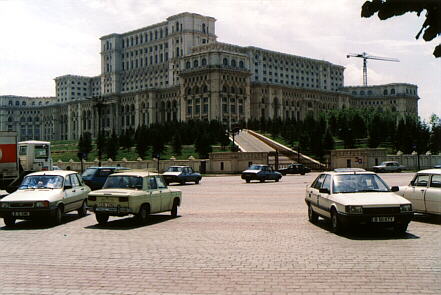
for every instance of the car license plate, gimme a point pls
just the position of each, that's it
(19, 214)
(383, 219)
(106, 205)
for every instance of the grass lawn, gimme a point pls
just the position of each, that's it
(66, 150)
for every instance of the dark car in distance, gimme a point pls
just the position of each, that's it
(261, 173)
(95, 177)
(181, 174)
(295, 169)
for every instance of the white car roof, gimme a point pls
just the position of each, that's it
(53, 172)
(135, 173)
(430, 171)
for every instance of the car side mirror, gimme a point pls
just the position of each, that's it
(324, 191)
(412, 183)
(67, 187)
(395, 188)
(138, 186)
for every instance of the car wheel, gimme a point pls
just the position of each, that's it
(143, 214)
(303, 173)
(248, 180)
(174, 210)
(262, 180)
(58, 215)
(336, 225)
(181, 182)
(277, 179)
(400, 228)
(9, 221)
(197, 181)
(312, 216)
(101, 218)
(82, 211)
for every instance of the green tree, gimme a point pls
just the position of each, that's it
(85, 143)
(390, 8)
(142, 141)
(177, 144)
(157, 141)
(435, 135)
(202, 146)
(328, 141)
(112, 146)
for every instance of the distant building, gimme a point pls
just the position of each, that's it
(176, 71)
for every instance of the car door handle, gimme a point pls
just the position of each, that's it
(73, 190)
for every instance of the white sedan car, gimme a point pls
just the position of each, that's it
(46, 194)
(424, 191)
(355, 196)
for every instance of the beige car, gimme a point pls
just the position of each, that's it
(46, 195)
(424, 191)
(136, 193)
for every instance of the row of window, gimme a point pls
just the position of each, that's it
(23, 103)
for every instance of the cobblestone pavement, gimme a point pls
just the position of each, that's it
(231, 238)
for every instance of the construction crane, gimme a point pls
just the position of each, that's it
(365, 57)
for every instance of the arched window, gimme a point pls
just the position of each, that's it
(187, 65)
(23, 103)
(203, 28)
(369, 92)
(204, 62)
(10, 119)
(392, 91)
(195, 64)
(205, 89)
(385, 92)
(233, 90)
(156, 35)
(30, 120)
(177, 51)
(196, 90)
(233, 63)
(177, 26)
(362, 92)
(225, 62)
(224, 89)
(33, 103)
(10, 102)
(241, 65)
(188, 91)
(354, 92)
(240, 91)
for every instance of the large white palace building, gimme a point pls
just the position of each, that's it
(176, 70)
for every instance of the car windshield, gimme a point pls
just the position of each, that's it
(123, 181)
(174, 169)
(88, 172)
(255, 167)
(42, 181)
(354, 183)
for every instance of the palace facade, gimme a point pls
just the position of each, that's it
(177, 71)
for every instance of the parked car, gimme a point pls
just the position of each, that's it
(437, 166)
(181, 174)
(347, 197)
(261, 173)
(388, 166)
(45, 194)
(133, 193)
(424, 191)
(95, 177)
(295, 169)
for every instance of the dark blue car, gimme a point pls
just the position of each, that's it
(95, 177)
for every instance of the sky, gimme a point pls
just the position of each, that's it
(44, 39)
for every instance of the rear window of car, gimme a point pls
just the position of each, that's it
(436, 181)
(104, 172)
(89, 172)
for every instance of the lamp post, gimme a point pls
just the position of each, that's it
(98, 104)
